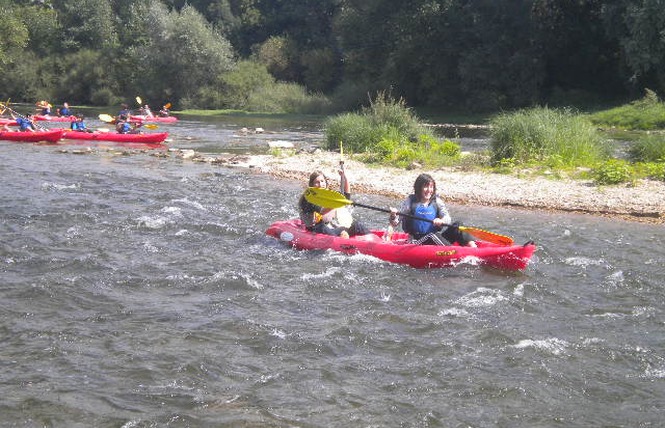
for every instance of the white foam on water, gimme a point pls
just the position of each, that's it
(553, 345)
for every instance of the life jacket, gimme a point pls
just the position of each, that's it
(419, 227)
(124, 128)
(78, 126)
(23, 124)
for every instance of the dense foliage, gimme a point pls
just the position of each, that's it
(479, 55)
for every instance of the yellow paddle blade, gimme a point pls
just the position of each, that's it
(106, 118)
(167, 105)
(138, 100)
(150, 126)
(326, 198)
(485, 235)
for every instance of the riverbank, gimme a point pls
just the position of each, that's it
(642, 202)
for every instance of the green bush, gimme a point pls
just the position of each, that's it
(655, 171)
(648, 148)
(613, 171)
(556, 137)
(388, 132)
(355, 131)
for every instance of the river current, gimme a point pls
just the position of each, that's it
(140, 291)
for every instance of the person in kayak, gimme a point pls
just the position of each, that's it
(336, 222)
(79, 124)
(145, 111)
(25, 124)
(425, 203)
(64, 111)
(124, 126)
(124, 110)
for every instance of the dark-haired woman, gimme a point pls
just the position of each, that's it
(426, 204)
(336, 222)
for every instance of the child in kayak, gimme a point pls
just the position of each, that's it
(79, 124)
(124, 126)
(336, 222)
(425, 203)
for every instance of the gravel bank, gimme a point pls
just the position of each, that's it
(642, 202)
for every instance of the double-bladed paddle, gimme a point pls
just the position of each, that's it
(110, 119)
(331, 199)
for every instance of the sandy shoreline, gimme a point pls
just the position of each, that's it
(642, 202)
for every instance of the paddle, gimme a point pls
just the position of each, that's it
(15, 113)
(106, 118)
(150, 126)
(331, 199)
(139, 101)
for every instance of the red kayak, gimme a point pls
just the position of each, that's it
(49, 118)
(7, 121)
(399, 250)
(153, 138)
(162, 119)
(51, 136)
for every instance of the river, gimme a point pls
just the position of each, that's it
(141, 291)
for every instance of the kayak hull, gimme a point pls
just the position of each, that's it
(48, 118)
(7, 121)
(161, 119)
(51, 136)
(399, 250)
(152, 138)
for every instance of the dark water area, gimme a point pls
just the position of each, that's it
(140, 291)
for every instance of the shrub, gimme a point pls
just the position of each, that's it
(556, 137)
(613, 171)
(648, 148)
(655, 171)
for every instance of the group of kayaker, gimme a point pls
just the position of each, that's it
(423, 214)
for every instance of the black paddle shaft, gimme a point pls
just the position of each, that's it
(398, 213)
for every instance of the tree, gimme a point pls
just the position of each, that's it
(13, 33)
(183, 53)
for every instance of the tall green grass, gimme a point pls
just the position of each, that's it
(648, 148)
(645, 114)
(385, 117)
(388, 132)
(557, 138)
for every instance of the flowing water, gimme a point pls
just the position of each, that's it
(139, 291)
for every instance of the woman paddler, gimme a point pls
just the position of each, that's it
(336, 222)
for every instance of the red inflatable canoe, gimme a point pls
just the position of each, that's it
(49, 118)
(399, 250)
(162, 119)
(51, 136)
(152, 138)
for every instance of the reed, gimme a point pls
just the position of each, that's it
(557, 138)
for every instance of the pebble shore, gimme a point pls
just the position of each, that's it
(643, 201)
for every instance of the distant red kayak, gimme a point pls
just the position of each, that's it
(7, 121)
(51, 136)
(162, 119)
(152, 138)
(49, 118)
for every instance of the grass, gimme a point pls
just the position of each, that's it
(645, 114)
(556, 138)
